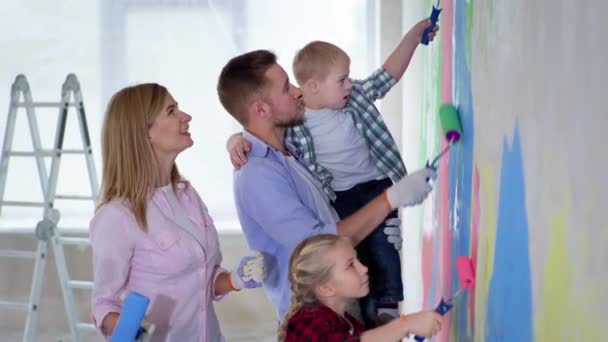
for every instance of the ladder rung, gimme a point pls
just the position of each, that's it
(13, 253)
(80, 284)
(15, 305)
(74, 197)
(43, 104)
(85, 326)
(45, 153)
(22, 204)
(74, 241)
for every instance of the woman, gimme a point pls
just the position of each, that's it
(152, 233)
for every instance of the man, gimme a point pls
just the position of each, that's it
(278, 201)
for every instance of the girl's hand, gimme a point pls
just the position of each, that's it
(423, 323)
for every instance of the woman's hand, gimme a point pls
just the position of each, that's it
(109, 323)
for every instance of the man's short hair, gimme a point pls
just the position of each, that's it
(243, 78)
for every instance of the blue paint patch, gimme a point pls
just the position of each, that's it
(509, 306)
(432, 301)
(461, 166)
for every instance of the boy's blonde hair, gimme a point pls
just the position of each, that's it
(315, 60)
(130, 168)
(308, 268)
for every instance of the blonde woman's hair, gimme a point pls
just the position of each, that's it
(130, 167)
(308, 268)
(316, 59)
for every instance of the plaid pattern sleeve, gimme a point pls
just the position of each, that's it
(377, 85)
(320, 323)
(371, 126)
(301, 139)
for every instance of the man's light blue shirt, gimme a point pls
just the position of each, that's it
(277, 210)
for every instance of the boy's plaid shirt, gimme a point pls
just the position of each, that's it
(370, 125)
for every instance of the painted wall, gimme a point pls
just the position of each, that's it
(522, 193)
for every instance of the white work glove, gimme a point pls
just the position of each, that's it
(249, 273)
(392, 230)
(411, 190)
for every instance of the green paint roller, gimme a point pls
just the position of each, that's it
(451, 127)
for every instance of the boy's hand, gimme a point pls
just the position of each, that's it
(237, 147)
(423, 323)
(392, 230)
(418, 29)
(249, 273)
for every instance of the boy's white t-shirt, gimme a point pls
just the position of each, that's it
(340, 148)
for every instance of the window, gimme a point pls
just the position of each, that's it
(181, 44)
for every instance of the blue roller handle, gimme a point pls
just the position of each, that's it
(427, 31)
(441, 309)
(130, 318)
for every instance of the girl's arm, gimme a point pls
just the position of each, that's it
(423, 323)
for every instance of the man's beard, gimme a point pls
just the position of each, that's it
(290, 123)
(297, 120)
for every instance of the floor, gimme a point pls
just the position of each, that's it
(246, 316)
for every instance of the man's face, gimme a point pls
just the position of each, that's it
(284, 99)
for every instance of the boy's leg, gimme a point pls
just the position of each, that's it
(379, 255)
(384, 263)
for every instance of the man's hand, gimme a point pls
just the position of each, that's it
(392, 230)
(411, 190)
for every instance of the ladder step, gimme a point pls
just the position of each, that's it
(80, 284)
(43, 104)
(46, 153)
(74, 241)
(22, 204)
(85, 326)
(13, 253)
(15, 305)
(74, 197)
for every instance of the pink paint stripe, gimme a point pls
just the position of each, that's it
(427, 267)
(445, 267)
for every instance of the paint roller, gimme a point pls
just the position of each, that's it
(434, 18)
(129, 327)
(451, 127)
(466, 278)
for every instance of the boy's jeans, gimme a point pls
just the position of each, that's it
(375, 252)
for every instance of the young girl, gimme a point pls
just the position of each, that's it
(325, 277)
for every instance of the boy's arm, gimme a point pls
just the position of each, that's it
(400, 58)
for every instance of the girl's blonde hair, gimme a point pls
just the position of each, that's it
(308, 268)
(130, 167)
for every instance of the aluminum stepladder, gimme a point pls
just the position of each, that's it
(46, 230)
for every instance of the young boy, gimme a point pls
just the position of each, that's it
(345, 143)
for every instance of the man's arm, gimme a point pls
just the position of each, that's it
(360, 224)
(400, 58)
(265, 195)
